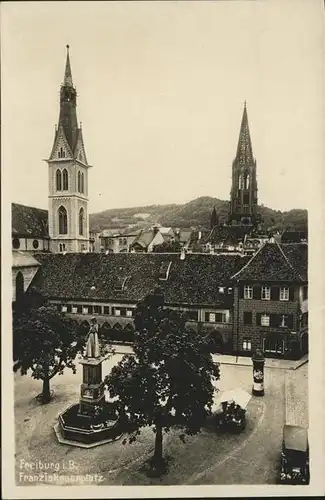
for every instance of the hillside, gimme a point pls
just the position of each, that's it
(195, 213)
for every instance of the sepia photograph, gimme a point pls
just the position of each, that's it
(162, 178)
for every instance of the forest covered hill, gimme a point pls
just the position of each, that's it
(195, 213)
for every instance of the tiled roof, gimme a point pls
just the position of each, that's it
(29, 221)
(297, 254)
(274, 262)
(92, 276)
(144, 238)
(23, 259)
(227, 234)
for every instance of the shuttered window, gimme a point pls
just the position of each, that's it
(284, 293)
(248, 292)
(265, 293)
(248, 318)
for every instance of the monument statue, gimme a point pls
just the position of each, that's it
(92, 345)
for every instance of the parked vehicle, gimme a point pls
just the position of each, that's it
(295, 455)
(230, 410)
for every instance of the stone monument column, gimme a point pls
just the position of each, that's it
(258, 373)
(92, 397)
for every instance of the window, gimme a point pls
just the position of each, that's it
(265, 320)
(305, 292)
(82, 183)
(35, 244)
(117, 312)
(65, 180)
(129, 312)
(64, 309)
(84, 310)
(61, 153)
(97, 309)
(79, 182)
(62, 247)
(16, 243)
(248, 292)
(58, 180)
(164, 270)
(106, 309)
(220, 318)
(246, 181)
(76, 309)
(248, 318)
(266, 293)
(247, 345)
(211, 317)
(246, 199)
(221, 289)
(284, 320)
(284, 293)
(120, 283)
(81, 221)
(63, 221)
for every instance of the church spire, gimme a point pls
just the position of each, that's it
(244, 149)
(67, 74)
(68, 104)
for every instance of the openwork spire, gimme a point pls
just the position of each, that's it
(244, 150)
(67, 74)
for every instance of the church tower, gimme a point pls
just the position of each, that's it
(68, 176)
(243, 196)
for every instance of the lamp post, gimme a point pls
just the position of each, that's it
(258, 373)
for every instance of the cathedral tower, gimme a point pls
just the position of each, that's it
(243, 196)
(68, 176)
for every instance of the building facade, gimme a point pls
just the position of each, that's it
(68, 176)
(271, 302)
(238, 302)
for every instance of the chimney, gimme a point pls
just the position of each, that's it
(183, 254)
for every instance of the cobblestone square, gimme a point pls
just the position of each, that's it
(249, 458)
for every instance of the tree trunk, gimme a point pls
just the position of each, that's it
(46, 394)
(158, 455)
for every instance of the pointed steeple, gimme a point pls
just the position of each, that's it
(68, 104)
(67, 74)
(244, 149)
(214, 218)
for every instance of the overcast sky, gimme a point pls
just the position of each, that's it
(161, 88)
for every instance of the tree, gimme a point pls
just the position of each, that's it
(168, 380)
(46, 342)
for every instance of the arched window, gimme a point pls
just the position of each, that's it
(58, 180)
(65, 179)
(246, 181)
(19, 286)
(16, 243)
(35, 244)
(81, 221)
(79, 182)
(82, 183)
(61, 153)
(63, 221)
